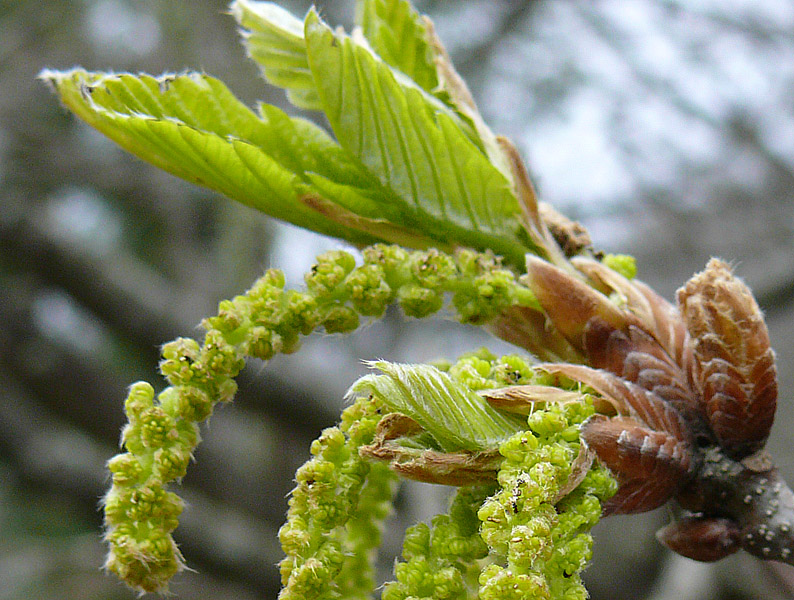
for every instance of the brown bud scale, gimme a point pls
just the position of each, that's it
(738, 380)
(686, 400)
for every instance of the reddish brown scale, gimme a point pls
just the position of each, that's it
(764, 376)
(521, 399)
(622, 341)
(650, 465)
(647, 446)
(637, 357)
(628, 398)
(607, 281)
(741, 412)
(656, 316)
(703, 539)
(430, 466)
(667, 326)
(731, 342)
(695, 391)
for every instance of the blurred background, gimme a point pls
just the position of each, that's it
(666, 127)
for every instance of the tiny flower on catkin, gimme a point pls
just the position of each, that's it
(370, 293)
(335, 512)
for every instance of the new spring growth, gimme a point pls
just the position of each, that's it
(335, 513)
(162, 433)
(536, 525)
(532, 512)
(538, 533)
(529, 508)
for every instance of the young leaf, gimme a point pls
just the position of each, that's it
(455, 416)
(274, 40)
(407, 41)
(398, 34)
(335, 211)
(414, 145)
(192, 126)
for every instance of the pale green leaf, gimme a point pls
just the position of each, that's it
(274, 40)
(416, 147)
(192, 126)
(455, 416)
(407, 41)
(398, 34)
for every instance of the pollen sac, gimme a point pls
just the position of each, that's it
(738, 379)
(703, 539)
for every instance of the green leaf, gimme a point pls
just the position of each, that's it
(407, 41)
(192, 126)
(274, 40)
(398, 34)
(416, 147)
(455, 416)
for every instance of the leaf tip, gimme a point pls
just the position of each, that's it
(53, 78)
(312, 18)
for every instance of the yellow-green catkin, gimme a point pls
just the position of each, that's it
(162, 432)
(440, 560)
(540, 542)
(335, 513)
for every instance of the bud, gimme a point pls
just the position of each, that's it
(738, 379)
(703, 539)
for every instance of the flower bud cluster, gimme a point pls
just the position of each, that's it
(335, 513)
(541, 542)
(441, 559)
